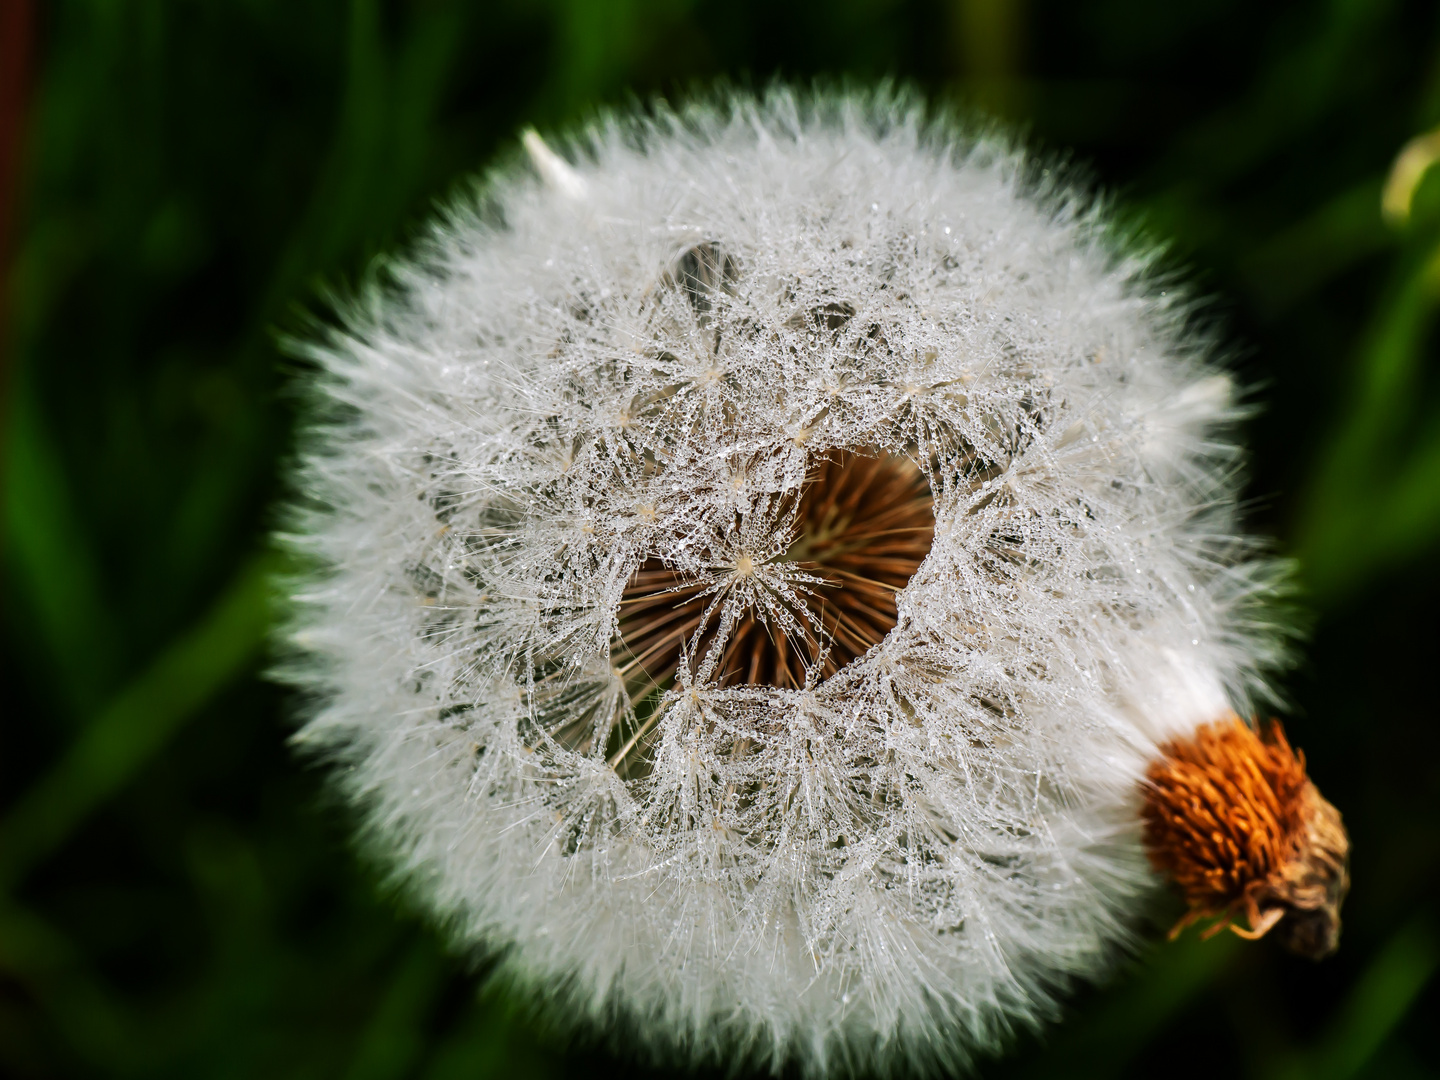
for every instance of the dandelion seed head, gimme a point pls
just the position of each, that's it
(761, 550)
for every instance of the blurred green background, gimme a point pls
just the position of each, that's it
(177, 894)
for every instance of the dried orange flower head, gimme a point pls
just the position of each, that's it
(1232, 818)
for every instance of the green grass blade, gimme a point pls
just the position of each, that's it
(137, 723)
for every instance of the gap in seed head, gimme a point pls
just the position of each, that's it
(864, 523)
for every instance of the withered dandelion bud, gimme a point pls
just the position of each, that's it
(1234, 821)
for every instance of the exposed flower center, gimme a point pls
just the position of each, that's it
(1234, 820)
(862, 526)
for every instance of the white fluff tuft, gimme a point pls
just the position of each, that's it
(897, 864)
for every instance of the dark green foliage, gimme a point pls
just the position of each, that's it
(177, 899)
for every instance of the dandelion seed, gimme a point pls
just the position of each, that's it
(801, 658)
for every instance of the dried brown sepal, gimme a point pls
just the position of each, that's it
(1234, 821)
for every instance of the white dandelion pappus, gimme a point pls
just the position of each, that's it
(759, 558)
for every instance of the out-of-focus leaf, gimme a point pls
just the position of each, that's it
(1303, 256)
(379, 147)
(52, 561)
(1411, 165)
(36, 955)
(395, 1039)
(492, 1043)
(1355, 482)
(1103, 1041)
(127, 733)
(1380, 999)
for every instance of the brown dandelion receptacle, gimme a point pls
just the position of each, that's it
(863, 525)
(1232, 818)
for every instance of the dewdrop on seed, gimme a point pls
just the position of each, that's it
(761, 554)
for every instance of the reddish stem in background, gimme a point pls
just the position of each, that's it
(16, 26)
(16, 29)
